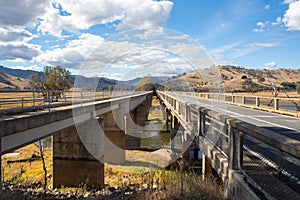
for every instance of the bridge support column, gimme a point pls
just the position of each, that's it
(186, 145)
(132, 130)
(115, 138)
(73, 164)
(167, 114)
(173, 131)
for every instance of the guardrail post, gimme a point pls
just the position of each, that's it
(257, 101)
(22, 102)
(49, 99)
(233, 99)
(235, 148)
(33, 98)
(243, 100)
(198, 122)
(276, 103)
(81, 98)
(187, 112)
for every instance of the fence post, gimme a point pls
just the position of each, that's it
(33, 98)
(257, 101)
(276, 104)
(81, 98)
(49, 99)
(243, 100)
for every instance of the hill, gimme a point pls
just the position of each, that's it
(82, 81)
(11, 82)
(19, 72)
(236, 79)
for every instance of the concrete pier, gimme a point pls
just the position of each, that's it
(73, 164)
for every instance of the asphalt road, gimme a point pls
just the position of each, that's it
(281, 124)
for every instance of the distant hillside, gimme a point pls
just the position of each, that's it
(81, 81)
(19, 72)
(236, 79)
(12, 82)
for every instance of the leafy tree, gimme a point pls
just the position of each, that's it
(288, 85)
(55, 78)
(146, 84)
(36, 82)
(261, 79)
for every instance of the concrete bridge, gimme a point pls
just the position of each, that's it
(255, 153)
(84, 136)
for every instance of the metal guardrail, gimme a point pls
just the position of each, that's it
(12, 100)
(264, 157)
(289, 106)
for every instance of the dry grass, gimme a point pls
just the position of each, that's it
(231, 77)
(145, 182)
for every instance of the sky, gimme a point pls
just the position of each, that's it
(123, 39)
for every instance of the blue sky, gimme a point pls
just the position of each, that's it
(78, 34)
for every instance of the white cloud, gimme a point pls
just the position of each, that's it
(31, 67)
(121, 14)
(56, 15)
(19, 52)
(270, 64)
(277, 22)
(267, 7)
(14, 35)
(124, 53)
(258, 30)
(291, 18)
(21, 13)
(260, 26)
(289, 1)
(75, 52)
(261, 44)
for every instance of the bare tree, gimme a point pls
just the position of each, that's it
(41, 151)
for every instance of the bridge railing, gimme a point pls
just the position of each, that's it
(50, 98)
(263, 156)
(290, 106)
